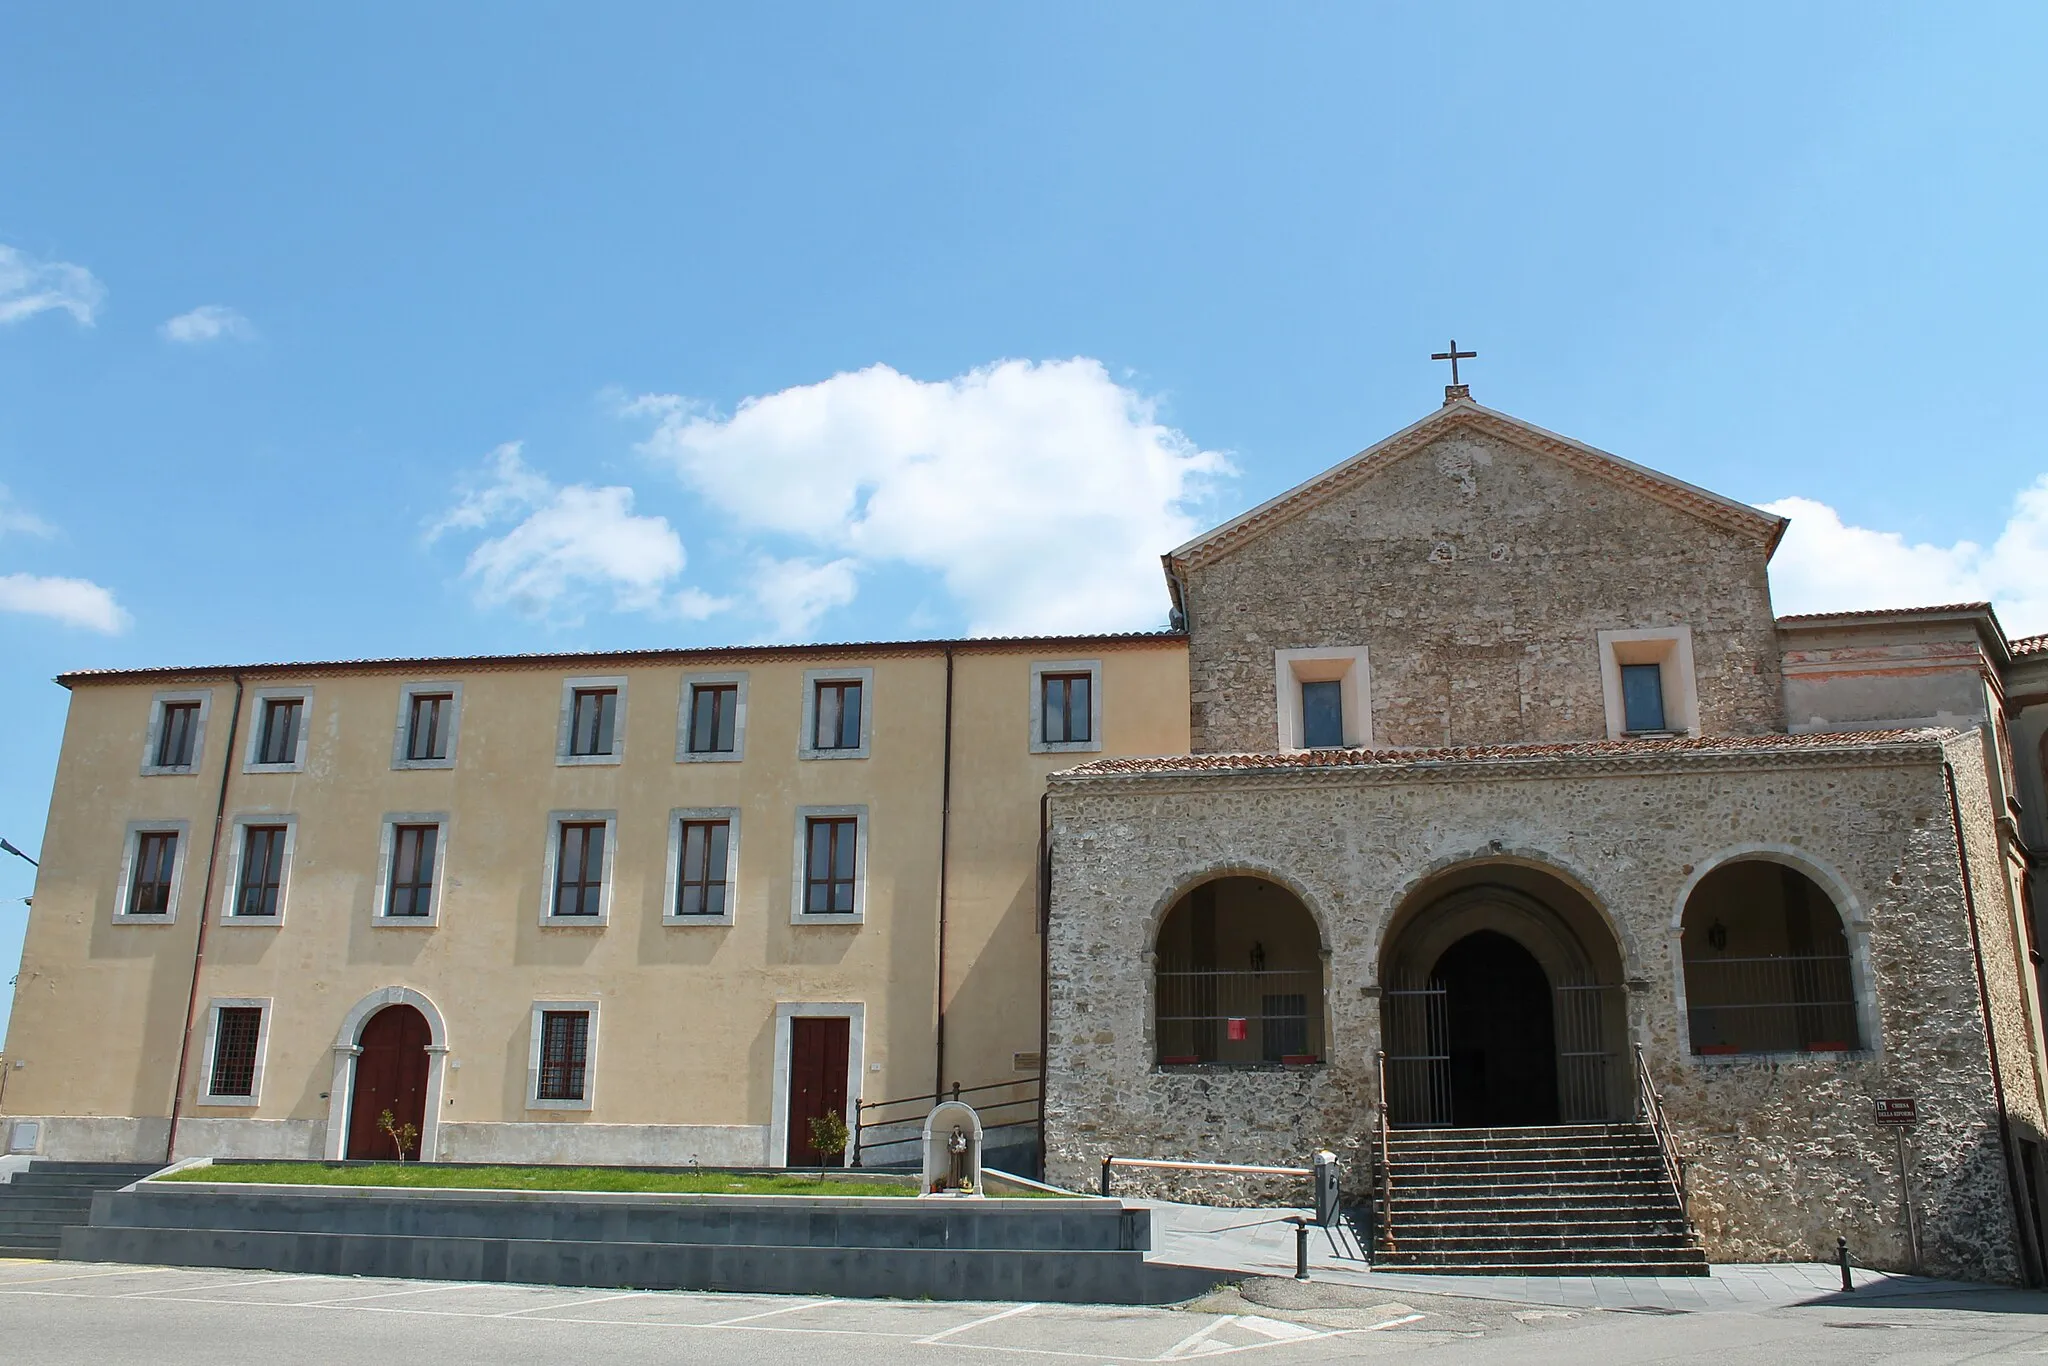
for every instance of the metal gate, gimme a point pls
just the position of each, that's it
(1417, 1024)
(1583, 1017)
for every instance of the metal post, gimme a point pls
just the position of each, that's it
(1105, 1174)
(1906, 1194)
(1301, 1249)
(1842, 1255)
(858, 1106)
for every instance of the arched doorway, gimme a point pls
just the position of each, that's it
(1768, 967)
(390, 1075)
(1502, 1004)
(1238, 978)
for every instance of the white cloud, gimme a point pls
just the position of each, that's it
(794, 594)
(1826, 565)
(1041, 493)
(209, 322)
(29, 287)
(567, 545)
(18, 520)
(75, 602)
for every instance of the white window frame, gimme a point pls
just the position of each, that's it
(797, 914)
(387, 852)
(570, 686)
(400, 740)
(1346, 665)
(805, 746)
(1668, 647)
(207, 1095)
(132, 843)
(238, 841)
(855, 1014)
(684, 754)
(589, 1101)
(1039, 669)
(257, 701)
(150, 767)
(672, 893)
(556, 820)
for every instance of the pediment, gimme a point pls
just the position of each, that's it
(1463, 414)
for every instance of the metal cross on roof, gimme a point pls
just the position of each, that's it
(1454, 355)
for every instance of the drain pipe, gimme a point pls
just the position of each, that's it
(2020, 1221)
(945, 841)
(220, 809)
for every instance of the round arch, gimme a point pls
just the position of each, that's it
(1238, 962)
(1155, 918)
(347, 1046)
(1545, 871)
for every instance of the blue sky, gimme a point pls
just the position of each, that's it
(381, 330)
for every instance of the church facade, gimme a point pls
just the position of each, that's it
(1476, 789)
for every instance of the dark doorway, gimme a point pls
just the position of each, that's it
(1503, 1056)
(391, 1074)
(817, 1082)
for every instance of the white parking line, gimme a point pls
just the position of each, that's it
(1011, 1312)
(89, 1275)
(768, 1314)
(270, 1279)
(569, 1304)
(1192, 1343)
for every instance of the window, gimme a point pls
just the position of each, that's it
(427, 730)
(577, 888)
(278, 740)
(593, 726)
(1066, 706)
(1324, 698)
(829, 865)
(1768, 966)
(258, 888)
(278, 735)
(411, 893)
(559, 1067)
(1322, 715)
(702, 889)
(1065, 709)
(152, 881)
(235, 1062)
(1647, 679)
(837, 720)
(180, 727)
(177, 732)
(838, 716)
(714, 715)
(1642, 697)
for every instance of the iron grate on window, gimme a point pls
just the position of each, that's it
(564, 1054)
(234, 1051)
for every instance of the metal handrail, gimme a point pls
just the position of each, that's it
(1384, 1225)
(862, 1109)
(1667, 1144)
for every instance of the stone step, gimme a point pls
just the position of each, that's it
(62, 1183)
(1529, 1228)
(133, 1170)
(1528, 1256)
(32, 1251)
(1548, 1241)
(24, 1204)
(1664, 1268)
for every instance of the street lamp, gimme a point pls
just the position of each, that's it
(6, 848)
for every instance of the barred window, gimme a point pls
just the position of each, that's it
(564, 1054)
(412, 870)
(701, 889)
(579, 869)
(714, 715)
(278, 735)
(256, 895)
(829, 871)
(156, 858)
(235, 1032)
(177, 728)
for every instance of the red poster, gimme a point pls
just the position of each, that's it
(1235, 1028)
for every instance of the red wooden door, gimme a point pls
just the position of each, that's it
(391, 1074)
(817, 1082)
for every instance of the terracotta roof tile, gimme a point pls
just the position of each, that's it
(2029, 645)
(1940, 608)
(1589, 749)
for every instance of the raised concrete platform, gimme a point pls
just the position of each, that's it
(1080, 1250)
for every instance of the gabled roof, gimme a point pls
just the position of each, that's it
(1726, 513)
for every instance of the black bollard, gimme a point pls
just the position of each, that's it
(1842, 1256)
(1105, 1174)
(1301, 1249)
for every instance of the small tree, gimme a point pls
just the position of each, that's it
(829, 1135)
(403, 1136)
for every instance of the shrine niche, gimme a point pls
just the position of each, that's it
(952, 1150)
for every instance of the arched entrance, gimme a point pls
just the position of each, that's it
(1502, 1004)
(1238, 978)
(390, 1075)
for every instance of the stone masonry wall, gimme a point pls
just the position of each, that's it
(1786, 1154)
(1477, 575)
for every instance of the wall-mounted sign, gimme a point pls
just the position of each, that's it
(1895, 1110)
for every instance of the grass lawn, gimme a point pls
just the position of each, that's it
(539, 1179)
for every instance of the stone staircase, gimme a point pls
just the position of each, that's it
(1562, 1200)
(47, 1197)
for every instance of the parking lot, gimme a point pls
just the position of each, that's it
(57, 1312)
